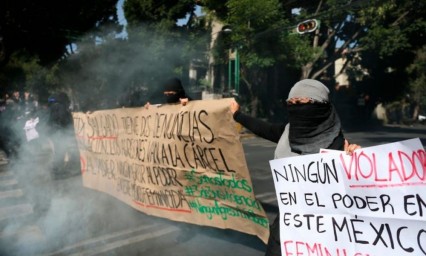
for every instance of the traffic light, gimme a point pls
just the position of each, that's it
(307, 26)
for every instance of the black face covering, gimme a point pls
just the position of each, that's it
(313, 126)
(174, 98)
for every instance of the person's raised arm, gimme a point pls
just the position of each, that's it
(259, 127)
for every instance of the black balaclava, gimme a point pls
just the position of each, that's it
(313, 125)
(174, 85)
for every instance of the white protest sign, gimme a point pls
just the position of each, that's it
(372, 202)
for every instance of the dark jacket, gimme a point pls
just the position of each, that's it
(59, 116)
(268, 131)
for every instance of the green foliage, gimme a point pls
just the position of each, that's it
(45, 28)
(24, 72)
(300, 51)
(417, 71)
(256, 28)
(216, 8)
(384, 35)
(375, 12)
(102, 67)
(391, 25)
(379, 33)
(103, 75)
(157, 11)
(386, 40)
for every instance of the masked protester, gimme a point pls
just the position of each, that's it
(61, 134)
(313, 124)
(172, 92)
(60, 116)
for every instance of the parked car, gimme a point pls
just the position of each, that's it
(422, 119)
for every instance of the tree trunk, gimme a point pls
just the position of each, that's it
(246, 76)
(254, 105)
(306, 70)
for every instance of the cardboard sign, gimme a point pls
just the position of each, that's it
(372, 202)
(183, 163)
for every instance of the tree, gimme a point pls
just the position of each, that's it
(170, 47)
(157, 11)
(100, 75)
(126, 72)
(385, 29)
(417, 72)
(24, 72)
(45, 28)
(354, 26)
(259, 51)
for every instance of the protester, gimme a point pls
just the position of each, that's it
(60, 116)
(29, 103)
(4, 129)
(61, 134)
(31, 133)
(313, 124)
(173, 92)
(16, 97)
(30, 128)
(11, 124)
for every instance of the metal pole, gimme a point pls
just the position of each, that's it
(229, 71)
(237, 72)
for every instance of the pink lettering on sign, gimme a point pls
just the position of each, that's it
(400, 169)
(299, 248)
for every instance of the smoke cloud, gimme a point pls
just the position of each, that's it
(128, 72)
(56, 209)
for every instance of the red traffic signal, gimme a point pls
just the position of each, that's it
(307, 26)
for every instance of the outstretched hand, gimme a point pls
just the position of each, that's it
(350, 148)
(183, 101)
(146, 106)
(234, 106)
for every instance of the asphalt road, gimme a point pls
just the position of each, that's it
(41, 216)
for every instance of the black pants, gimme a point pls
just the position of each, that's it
(274, 245)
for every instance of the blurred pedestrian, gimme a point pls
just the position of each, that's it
(31, 133)
(29, 103)
(313, 124)
(3, 127)
(61, 134)
(11, 124)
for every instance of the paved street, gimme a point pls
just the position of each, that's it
(42, 216)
